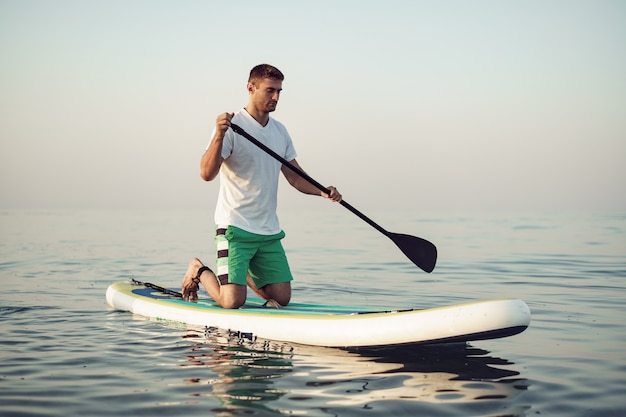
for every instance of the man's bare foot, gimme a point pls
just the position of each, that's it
(272, 303)
(189, 287)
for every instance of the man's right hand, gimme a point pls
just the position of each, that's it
(222, 124)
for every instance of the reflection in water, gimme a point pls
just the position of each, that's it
(245, 369)
(252, 376)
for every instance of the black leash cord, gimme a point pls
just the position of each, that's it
(157, 288)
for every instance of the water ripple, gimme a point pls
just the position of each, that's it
(64, 352)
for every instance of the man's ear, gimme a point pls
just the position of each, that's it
(251, 88)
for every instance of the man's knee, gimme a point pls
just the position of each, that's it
(233, 304)
(280, 293)
(232, 295)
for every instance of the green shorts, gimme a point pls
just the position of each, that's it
(240, 252)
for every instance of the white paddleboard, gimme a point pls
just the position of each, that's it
(332, 326)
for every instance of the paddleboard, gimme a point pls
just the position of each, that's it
(329, 325)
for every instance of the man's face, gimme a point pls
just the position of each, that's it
(266, 93)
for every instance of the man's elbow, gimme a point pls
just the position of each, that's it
(207, 175)
(209, 168)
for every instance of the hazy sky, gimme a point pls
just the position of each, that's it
(411, 104)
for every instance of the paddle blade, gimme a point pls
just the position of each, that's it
(420, 251)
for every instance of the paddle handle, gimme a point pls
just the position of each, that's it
(304, 175)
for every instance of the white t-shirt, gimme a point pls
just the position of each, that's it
(249, 176)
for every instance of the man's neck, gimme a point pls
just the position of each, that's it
(262, 117)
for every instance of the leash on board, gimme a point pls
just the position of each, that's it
(156, 287)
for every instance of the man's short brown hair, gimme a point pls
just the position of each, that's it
(265, 71)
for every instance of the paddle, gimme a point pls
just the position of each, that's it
(420, 251)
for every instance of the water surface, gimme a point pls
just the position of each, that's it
(65, 352)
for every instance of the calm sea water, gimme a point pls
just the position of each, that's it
(63, 351)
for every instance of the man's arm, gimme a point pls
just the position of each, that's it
(212, 159)
(306, 187)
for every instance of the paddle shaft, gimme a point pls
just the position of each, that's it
(304, 175)
(420, 251)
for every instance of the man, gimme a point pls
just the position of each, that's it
(248, 234)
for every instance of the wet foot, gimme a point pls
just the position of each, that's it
(189, 287)
(272, 303)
